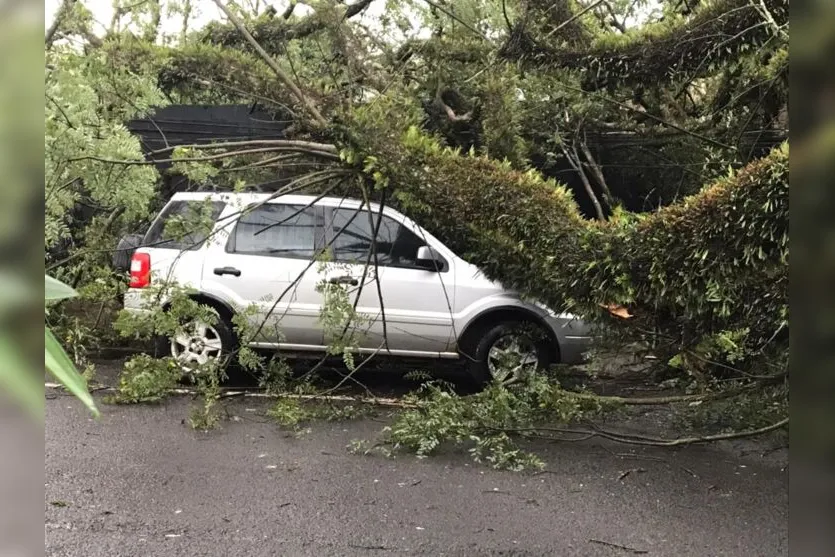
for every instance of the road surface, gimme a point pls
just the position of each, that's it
(139, 482)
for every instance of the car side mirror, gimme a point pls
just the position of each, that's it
(429, 259)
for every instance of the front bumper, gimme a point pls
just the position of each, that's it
(573, 337)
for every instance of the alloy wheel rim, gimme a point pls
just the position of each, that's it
(511, 358)
(196, 345)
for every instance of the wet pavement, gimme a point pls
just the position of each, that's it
(140, 482)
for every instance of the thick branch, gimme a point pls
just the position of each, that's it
(274, 34)
(598, 174)
(635, 439)
(574, 161)
(279, 144)
(659, 51)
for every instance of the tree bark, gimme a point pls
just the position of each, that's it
(576, 164)
(598, 174)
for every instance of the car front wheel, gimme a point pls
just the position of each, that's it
(509, 352)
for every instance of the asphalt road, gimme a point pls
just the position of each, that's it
(139, 482)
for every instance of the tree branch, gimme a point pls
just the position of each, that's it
(207, 158)
(318, 119)
(274, 33)
(574, 161)
(598, 174)
(289, 145)
(62, 12)
(635, 439)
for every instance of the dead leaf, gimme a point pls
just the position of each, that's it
(617, 310)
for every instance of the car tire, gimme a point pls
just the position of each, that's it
(498, 341)
(200, 339)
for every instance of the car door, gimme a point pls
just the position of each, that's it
(399, 302)
(269, 265)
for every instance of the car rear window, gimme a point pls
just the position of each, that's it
(184, 225)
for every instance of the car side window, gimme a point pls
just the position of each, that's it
(276, 230)
(397, 246)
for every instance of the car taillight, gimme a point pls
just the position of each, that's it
(140, 270)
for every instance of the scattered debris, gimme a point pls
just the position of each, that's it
(618, 546)
(628, 472)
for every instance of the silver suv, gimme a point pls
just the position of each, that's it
(419, 300)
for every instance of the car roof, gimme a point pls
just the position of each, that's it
(248, 197)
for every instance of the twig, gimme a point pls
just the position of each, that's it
(282, 75)
(763, 9)
(506, 18)
(618, 546)
(626, 473)
(661, 400)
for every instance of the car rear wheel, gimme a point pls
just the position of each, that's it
(509, 352)
(198, 345)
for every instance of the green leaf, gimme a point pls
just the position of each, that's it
(56, 290)
(62, 368)
(17, 380)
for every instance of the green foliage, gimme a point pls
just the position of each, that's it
(485, 420)
(57, 362)
(342, 325)
(88, 102)
(293, 412)
(170, 307)
(206, 414)
(501, 120)
(147, 379)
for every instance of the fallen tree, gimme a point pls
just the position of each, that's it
(703, 280)
(713, 264)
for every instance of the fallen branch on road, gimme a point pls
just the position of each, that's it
(374, 401)
(635, 439)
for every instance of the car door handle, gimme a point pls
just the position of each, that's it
(344, 280)
(219, 271)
